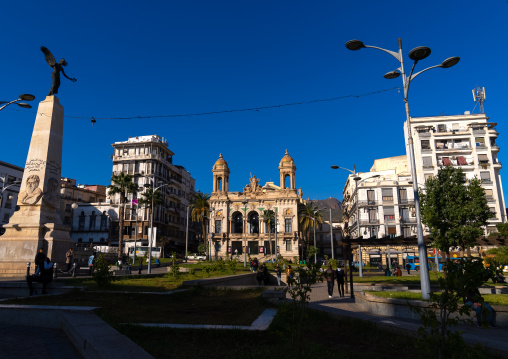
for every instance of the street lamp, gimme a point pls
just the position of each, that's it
(187, 232)
(416, 54)
(23, 97)
(151, 227)
(17, 183)
(357, 179)
(245, 201)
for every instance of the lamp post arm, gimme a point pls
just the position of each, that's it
(347, 169)
(397, 55)
(419, 72)
(8, 103)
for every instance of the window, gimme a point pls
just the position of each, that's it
(68, 208)
(81, 222)
(483, 159)
(67, 220)
(92, 221)
(370, 197)
(387, 194)
(8, 202)
(485, 176)
(218, 227)
(6, 218)
(289, 247)
(428, 176)
(441, 128)
(402, 195)
(80, 240)
(392, 231)
(389, 214)
(406, 231)
(455, 127)
(372, 215)
(480, 141)
(488, 193)
(493, 210)
(425, 144)
(404, 214)
(288, 228)
(104, 221)
(427, 161)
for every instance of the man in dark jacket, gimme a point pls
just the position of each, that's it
(44, 276)
(39, 260)
(340, 280)
(330, 279)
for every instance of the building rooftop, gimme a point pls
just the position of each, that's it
(150, 138)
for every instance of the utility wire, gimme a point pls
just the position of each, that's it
(237, 110)
(232, 110)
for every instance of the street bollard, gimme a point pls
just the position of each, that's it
(74, 269)
(28, 268)
(54, 271)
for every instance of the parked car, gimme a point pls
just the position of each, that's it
(196, 257)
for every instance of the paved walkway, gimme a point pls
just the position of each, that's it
(496, 338)
(28, 342)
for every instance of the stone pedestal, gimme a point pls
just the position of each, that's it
(37, 224)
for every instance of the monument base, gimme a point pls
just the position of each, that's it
(21, 243)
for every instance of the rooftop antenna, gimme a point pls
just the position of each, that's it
(479, 97)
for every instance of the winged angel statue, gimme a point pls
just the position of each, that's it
(57, 68)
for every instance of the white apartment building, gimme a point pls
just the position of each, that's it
(384, 200)
(464, 141)
(9, 174)
(149, 159)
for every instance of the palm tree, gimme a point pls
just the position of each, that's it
(309, 217)
(269, 218)
(200, 210)
(121, 184)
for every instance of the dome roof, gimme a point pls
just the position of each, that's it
(220, 164)
(287, 160)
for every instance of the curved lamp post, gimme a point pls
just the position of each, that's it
(416, 54)
(23, 97)
(245, 202)
(17, 183)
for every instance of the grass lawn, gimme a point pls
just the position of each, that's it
(494, 299)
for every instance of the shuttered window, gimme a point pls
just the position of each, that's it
(427, 161)
(387, 194)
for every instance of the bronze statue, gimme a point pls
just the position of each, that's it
(57, 68)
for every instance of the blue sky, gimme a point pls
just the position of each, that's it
(157, 58)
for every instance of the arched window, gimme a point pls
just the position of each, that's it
(253, 222)
(287, 181)
(237, 223)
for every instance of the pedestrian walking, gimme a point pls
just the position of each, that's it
(289, 276)
(340, 275)
(259, 275)
(398, 272)
(68, 259)
(140, 266)
(408, 267)
(330, 280)
(278, 272)
(90, 263)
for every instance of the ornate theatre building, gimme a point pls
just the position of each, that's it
(237, 224)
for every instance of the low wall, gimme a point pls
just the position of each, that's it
(400, 308)
(240, 280)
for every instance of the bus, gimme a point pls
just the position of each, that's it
(414, 262)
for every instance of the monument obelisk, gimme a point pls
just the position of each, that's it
(37, 223)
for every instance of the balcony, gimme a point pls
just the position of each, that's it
(368, 203)
(406, 202)
(369, 221)
(408, 220)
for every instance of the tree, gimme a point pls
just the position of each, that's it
(462, 278)
(310, 216)
(200, 210)
(269, 219)
(121, 184)
(497, 257)
(454, 209)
